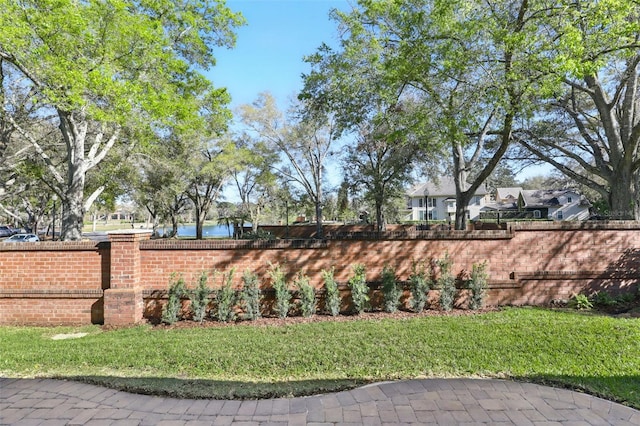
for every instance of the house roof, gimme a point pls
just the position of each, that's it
(445, 187)
(545, 197)
(506, 193)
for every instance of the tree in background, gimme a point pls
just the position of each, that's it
(589, 128)
(106, 73)
(254, 177)
(304, 141)
(379, 165)
(465, 63)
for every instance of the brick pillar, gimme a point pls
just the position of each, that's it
(123, 303)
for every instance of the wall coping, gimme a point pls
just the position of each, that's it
(574, 225)
(171, 244)
(54, 246)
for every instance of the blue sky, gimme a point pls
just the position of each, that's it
(269, 49)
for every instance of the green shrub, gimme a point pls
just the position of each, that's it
(200, 298)
(359, 289)
(390, 289)
(478, 285)
(226, 299)
(419, 282)
(603, 299)
(580, 302)
(307, 295)
(283, 294)
(250, 295)
(171, 311)
(332, 294)
(447, 283)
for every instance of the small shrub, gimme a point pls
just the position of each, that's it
(419, 282)
(200, 299)
(359, 289)
(332, 294)
(447, 283)
(603, 299)
(171, 312)
(250, 295)
(283, 294)
(226, 299)
(580, 302)
(307, 295)
(390, 289)
(478, 285)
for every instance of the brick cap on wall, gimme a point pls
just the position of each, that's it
(128, 235)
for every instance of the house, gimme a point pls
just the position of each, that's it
(437, 201)
(551, 204)
(564, 204)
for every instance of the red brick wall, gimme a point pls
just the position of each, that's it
(532, 263)
(53, 282)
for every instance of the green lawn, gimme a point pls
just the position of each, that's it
(598, 354)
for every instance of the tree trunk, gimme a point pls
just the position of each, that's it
(622, 198)
(199, 222)
(319, 233)
(73, 199)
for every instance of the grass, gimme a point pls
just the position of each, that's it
(597, 354)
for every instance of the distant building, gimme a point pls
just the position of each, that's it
(552, 204)
(437, 201)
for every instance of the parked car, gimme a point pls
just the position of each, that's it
(6, 231)
(22, 238)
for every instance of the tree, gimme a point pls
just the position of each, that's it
(380, 163)
(253, 177)
(465, 62)
(106, 73)
(589, 128)
(305, 142)
(212, 167)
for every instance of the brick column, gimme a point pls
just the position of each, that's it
(123, 303)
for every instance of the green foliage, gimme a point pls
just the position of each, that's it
(478, 285)
(250, 295)
(359, 288)
(172, 310)
(332, 294)
(307, 295)
(200, 298)
(419, 282)
(596, 353)
(580, 302)
(226, 299)
(390, 289)
(603, 299)
(446, 283)
(281, 287)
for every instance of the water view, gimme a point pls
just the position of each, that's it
(208, 231)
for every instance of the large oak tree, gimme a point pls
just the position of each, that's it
(107, 72)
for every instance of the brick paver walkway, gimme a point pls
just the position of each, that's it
(429, 401)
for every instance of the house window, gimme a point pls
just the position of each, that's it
(560, 215)
(569, 200)
(421, 215)
(536, 214)
(420, 203)
(476, 200)
(431, 202)
(433, 215)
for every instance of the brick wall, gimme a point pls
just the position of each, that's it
(53, 282)
(532, 263)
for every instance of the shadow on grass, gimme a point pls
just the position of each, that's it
(217, 389)
(621, 389)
